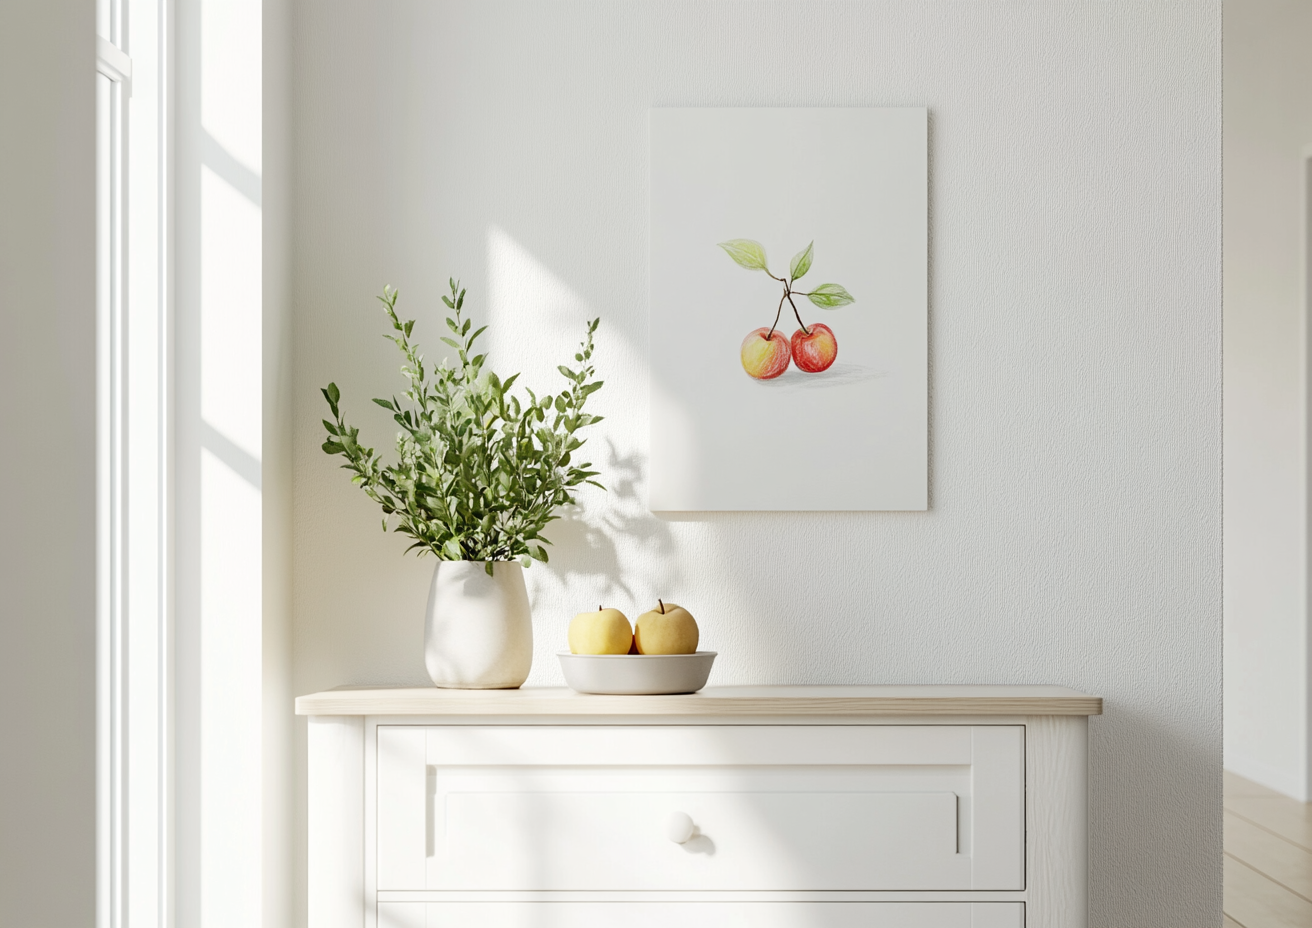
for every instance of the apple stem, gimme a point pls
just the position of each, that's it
(662, 602)
(789, 297)
(770, 334)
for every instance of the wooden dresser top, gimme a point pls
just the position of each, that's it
(716, 701)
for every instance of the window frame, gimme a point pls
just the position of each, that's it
(134, 465)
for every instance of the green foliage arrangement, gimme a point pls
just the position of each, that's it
(480, 474)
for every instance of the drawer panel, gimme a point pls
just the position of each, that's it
(701, 914)
(774, 808)
(744, 840)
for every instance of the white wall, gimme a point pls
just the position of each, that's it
(48, 470)
(1074, 529)
(1268, 128)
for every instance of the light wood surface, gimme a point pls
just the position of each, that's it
(1256, 902)
(721, 701)
(1057, 816)
(1268, 857)
(1279, 860)
(1279, 815)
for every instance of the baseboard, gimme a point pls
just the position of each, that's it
(1281, 781)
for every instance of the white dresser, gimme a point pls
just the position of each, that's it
(759, 807)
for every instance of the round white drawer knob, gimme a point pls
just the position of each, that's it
(679, 827)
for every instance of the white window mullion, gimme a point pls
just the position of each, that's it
(113, 63)
(113, 71)
(133, 620)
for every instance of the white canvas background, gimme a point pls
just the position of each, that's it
(852, 180)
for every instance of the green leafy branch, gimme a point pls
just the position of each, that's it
(480, 473)
(751, 255)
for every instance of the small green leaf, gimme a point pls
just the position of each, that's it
(386, 404)
(746, 252)
(801, 262)
(830, 296)
(332, 447)
(452, 550)
(333, 393)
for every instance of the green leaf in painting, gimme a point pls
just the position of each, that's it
(801, 262)
(746, 252)
(830, 296)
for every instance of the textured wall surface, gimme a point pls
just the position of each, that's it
(1268, 138)
(1074, 530)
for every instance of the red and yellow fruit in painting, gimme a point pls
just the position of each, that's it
(765, 355)
(815, 350)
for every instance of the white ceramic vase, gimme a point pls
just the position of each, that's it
(478, 631)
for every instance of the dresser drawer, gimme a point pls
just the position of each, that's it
(701, 915)
(774, 808)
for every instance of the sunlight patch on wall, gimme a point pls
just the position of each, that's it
(610, 548)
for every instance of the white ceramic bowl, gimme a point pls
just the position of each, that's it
(636, 674)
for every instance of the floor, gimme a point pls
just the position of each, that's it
(1268, 857)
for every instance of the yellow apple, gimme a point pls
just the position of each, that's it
(606, 631)
(667, 629)
(765, 354)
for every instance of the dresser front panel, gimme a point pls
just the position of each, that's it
(776, 808)
(701, 915)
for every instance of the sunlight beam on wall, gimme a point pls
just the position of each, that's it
(220, 480)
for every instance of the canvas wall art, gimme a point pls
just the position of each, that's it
(789, 303)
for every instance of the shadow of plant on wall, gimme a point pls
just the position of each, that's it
(584, 551)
